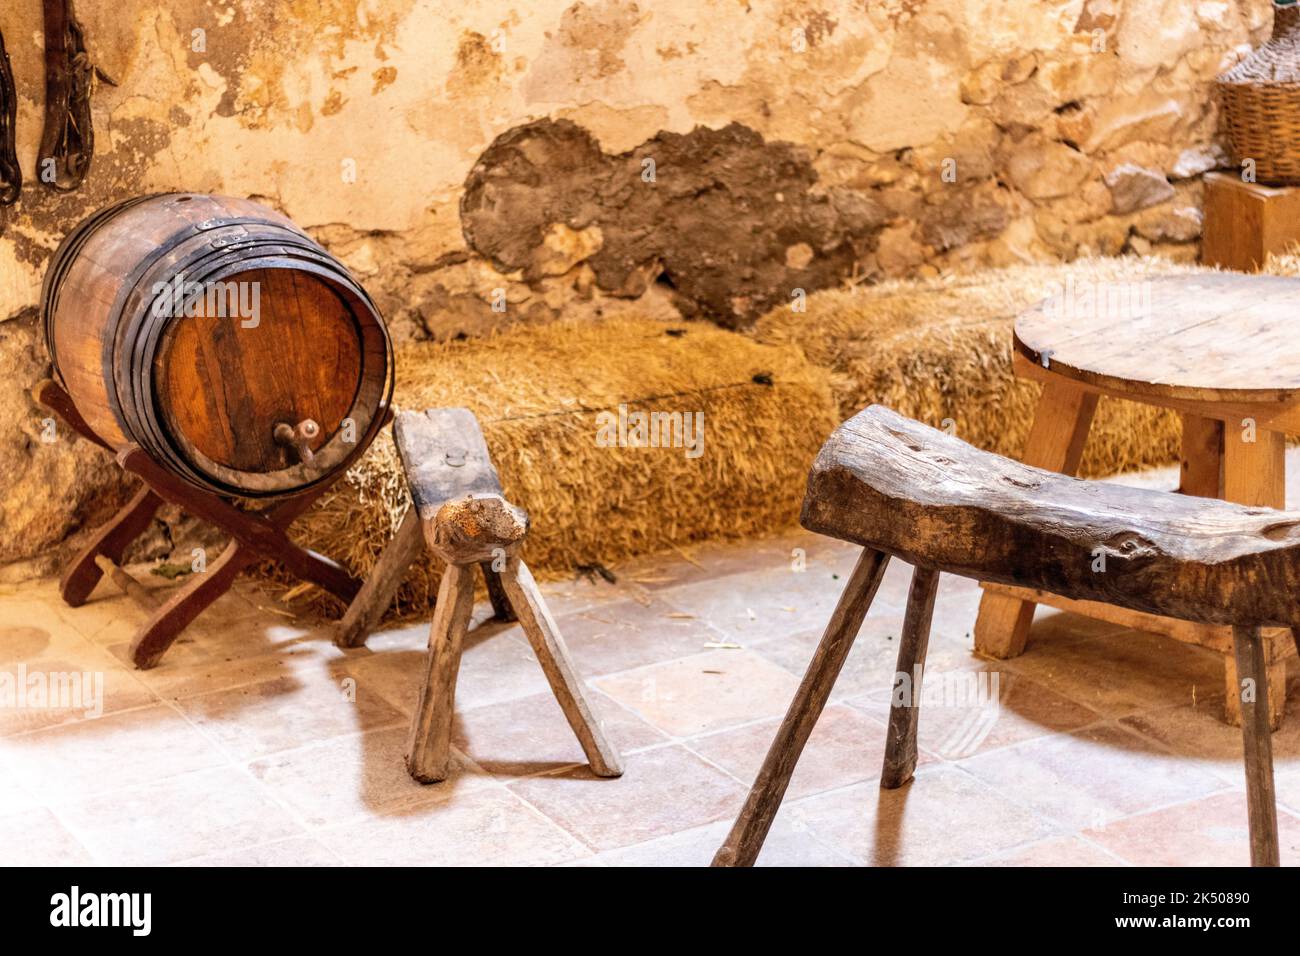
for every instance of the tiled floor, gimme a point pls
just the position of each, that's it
(258, 742)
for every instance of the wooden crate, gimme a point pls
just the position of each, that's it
(1244, 222)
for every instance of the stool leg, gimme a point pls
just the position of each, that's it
(900, 739)
(745, 840)
(544, 636)
(376, 594)
(428, 751)
(501, 609)
(1257, 737)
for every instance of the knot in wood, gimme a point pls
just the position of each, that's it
(1130, 546)
(473, 528)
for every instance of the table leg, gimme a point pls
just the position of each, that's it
(1202, 457)
(1254, 473)
(1056, 439)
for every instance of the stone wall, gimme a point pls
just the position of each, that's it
(703, 158)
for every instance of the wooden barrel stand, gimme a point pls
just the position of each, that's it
(254, 536)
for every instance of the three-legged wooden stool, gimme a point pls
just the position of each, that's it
(459, 512)
(900, 488)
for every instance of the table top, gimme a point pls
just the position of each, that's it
(1211, 337)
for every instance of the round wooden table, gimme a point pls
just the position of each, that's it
(1223, 350)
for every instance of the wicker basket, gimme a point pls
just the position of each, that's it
(1261, 101)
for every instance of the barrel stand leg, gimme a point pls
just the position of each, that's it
(111, 541)
(158, 633)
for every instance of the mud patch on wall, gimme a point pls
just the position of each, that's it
(731, 223)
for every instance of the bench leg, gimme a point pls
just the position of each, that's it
(1055, 443)
(1276, 682)
(1257, 738)
(900, 740)
(745, 840)
(428, 751)
(544, 636)
(1254, 473)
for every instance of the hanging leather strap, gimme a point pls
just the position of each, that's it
(68, 138)
(11, 176)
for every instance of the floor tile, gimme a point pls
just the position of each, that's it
(530, 735)
(766, 603)
(845, 747)
(943, 816)
(36, 838)
(351, 777)
(1087, 778)
(716, 559)
(487, 826)
(1055, 851)
(661, 791)
(295, 851)
(496, 665)
(1209, 832)
(968, 712)
(1201, 736)
(693, 695)
(1124, 673)
(786, 845)
(119, 750)
(49, 678)
(1288, 790)
(625, 634)
(576, 593)
(13, 795)
(174, 680)
(871, 662)
(288, 712)
(176, 819)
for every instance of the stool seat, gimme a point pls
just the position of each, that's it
(906, 489)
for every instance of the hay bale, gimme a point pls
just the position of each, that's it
(941, 349)
(1283, 264)
(537, 392)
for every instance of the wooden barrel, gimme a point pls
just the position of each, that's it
(221, 339)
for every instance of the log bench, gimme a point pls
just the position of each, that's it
(460, 515)
(902, 489)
